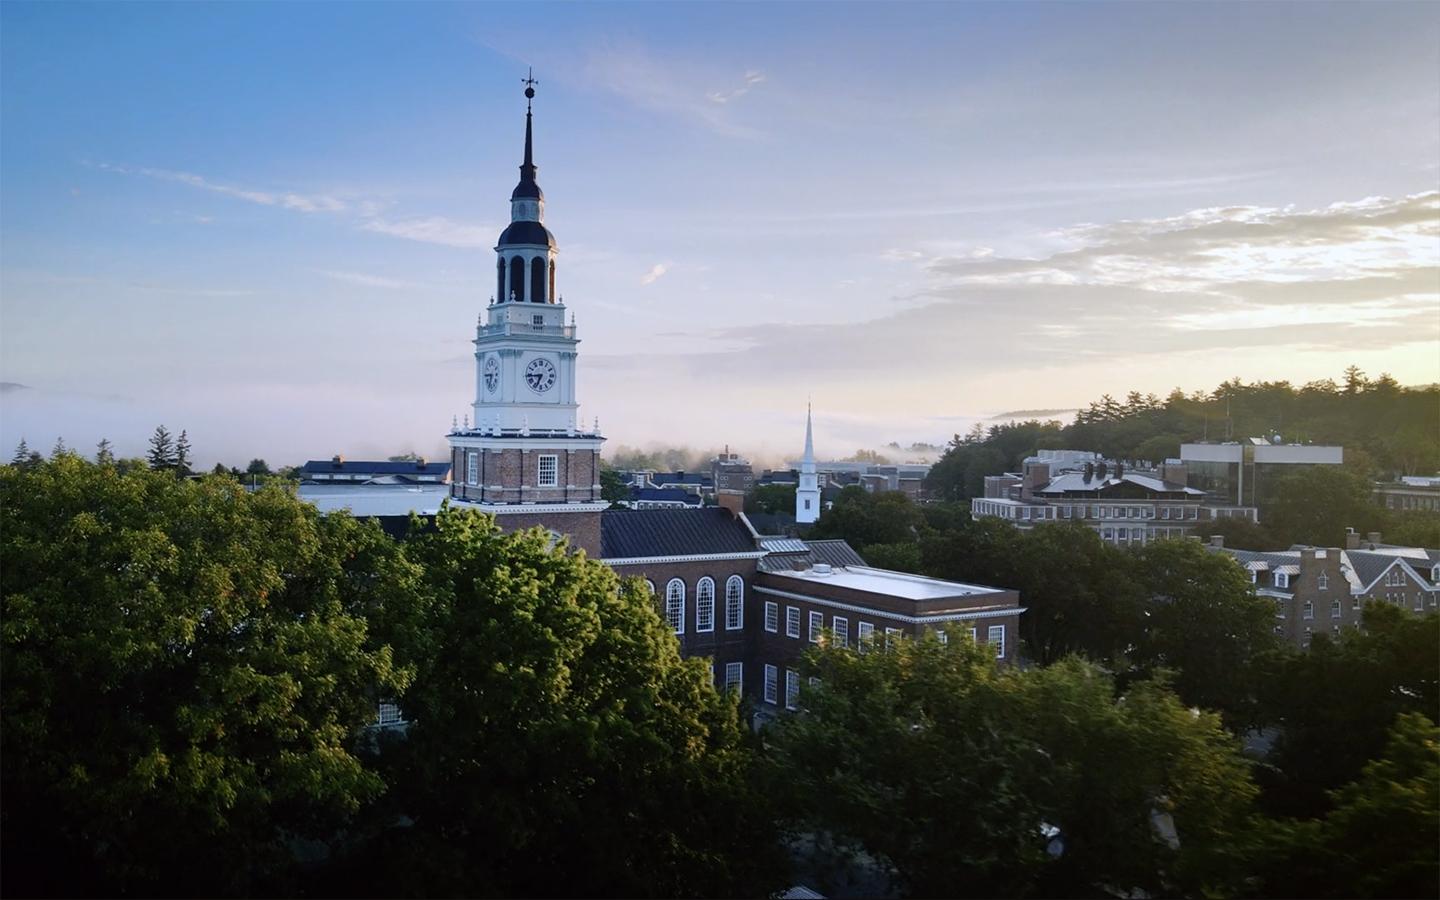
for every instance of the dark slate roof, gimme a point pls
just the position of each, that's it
(1369, 566)
(1075, 481)
(525, 232)
(382, 467)
(771, 523)
(527, 189)
(671, 494)
(834, 552)
(663, 478)
(626, 533)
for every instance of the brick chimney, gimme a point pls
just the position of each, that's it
(732, 500)
(1352, 539)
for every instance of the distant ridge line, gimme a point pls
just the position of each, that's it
(1032, 413)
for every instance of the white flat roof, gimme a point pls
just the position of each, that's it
(375, 499)
(894, 584)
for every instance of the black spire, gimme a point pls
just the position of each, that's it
(528, 188)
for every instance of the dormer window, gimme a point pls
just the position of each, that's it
(1322, 581)
(1396, 578)
(1282, 580)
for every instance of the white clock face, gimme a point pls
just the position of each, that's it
(492, 374)
(540, 375)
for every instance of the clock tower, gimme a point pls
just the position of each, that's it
(525, 450)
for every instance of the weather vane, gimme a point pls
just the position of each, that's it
(529, 82)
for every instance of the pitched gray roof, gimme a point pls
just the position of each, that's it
(1075, 481)
(632, 533)
(834, 552)
(1369, 566)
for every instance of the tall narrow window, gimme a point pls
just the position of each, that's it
(792, 688)
(817, 626)
(500, 280)
(792, 621)
(1335, 609)
(517, 279)
(705, 604)
(735, 676)
(551, 295)
(996, 637)
(1309, 609)
(772, 616)
(772, 683)
(472, 467)
(675, 605)
(865, 635)
(1322, 581)
(842, 631)
(734, 603)
(892, 636)
(548, 469)
(537, 280)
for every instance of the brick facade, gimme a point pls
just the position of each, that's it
(512, 475)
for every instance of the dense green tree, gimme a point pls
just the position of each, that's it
(104, 452)
(1336, 703)
(257, 467)
(966, 779)
(1380, 838)
(1243, 534)
(22, 453)
(182, 453)
(162, 449)
(1157, 449)
(559, 745)
(59, 449)
(863, 518)
(185, 669)
(612, 488)
(1204, 623)
(771, 498)
(1317, 503)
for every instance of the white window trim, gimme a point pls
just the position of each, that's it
(738, 605)
(792, 689)
(772, 684)
(554, 462)
(677, 621)
(991, 635)
(738, 682)
(864, 635)
(472, 467)
(772, 616)
(817, 626)
(704, 623)
(840, 627)
(792, 622)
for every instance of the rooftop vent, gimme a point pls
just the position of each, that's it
(821, 569)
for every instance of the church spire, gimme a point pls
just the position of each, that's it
(809, 460)
(528, 188)
(807, 494)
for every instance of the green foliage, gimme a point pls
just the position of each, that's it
(104, 452)
(257, 467)
(1315, 505)
(945, 769)
(612, 488)
(863, 518)
(182, 453)
(185, 669)
(162, 449)
(560, 746)
(771, 498)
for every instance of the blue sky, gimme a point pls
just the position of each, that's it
(271, 224)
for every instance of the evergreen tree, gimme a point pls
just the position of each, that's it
(22, 453)
(182, 453)
(104, 453)
(59, 449)
(162, 449)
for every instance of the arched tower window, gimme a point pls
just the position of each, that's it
(500, 280)
(537, 280)
(734, 603)
(552, 294)
(517, 277)
(675, 605)
(705, 604)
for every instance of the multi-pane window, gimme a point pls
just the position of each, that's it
(792, 688)
(548, 470)
(817, 625)
(734, 603)
(974, 636)
(388, 713)
(675, 605)
(942, 635)
(891, 636)
(1309, 610)
(996, 636)
(865, 635)
(1282, 580)
(1334, 609)
(842, 631)
(734, 676)
(705, 604)
(772, 616)
(792, 621)
(1322, 581)
(472, 467)
(1396, 578)
(772, 683)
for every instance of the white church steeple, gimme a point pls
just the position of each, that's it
(807, 495)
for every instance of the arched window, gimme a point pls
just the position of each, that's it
(517, 278)
(705, 604)
(734, 603)
(675, 605)
(500, 280)
(552, 294)
(537, 280)
(650, 585)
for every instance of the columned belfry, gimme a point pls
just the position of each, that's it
(524, 449)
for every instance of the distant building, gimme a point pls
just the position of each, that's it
(807, 494)
(660, 498)
(339, 470)
(730, 472)
(1239, 473)
(1324, 590)
(1412, 492)
(1124, 507)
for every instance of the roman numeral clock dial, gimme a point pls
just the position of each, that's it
(540, 375)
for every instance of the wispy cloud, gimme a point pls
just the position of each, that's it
(363, 279)
(366, 212)
(676, 87)
(654, 274)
